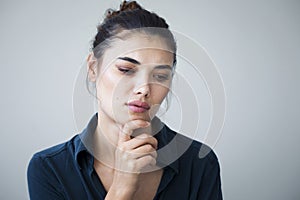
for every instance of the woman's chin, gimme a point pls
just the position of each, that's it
(140, 116)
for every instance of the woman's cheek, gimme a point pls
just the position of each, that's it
(160, 93)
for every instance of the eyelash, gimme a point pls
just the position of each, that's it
(127, 71)
(161, 78)
(130, 71)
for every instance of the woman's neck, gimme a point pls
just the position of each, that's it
(106, 140)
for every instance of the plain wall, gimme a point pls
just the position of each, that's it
(255, 44)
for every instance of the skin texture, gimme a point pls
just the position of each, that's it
(121, 160)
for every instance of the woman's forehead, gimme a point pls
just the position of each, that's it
(139, 47)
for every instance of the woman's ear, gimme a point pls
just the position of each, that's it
(92, 67)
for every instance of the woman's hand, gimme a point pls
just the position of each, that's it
(133, 156)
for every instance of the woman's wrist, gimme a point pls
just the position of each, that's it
(120, 193)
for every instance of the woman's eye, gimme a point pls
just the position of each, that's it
(126, 70)
(161, 77)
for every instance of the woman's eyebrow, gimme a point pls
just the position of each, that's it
(163, 67)
(130, 60)
(138, 63)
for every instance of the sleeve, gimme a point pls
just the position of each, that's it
(42, 183)
(210, 188)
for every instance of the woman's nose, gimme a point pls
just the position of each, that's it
(143, 90)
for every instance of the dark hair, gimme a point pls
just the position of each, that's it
(131, 16)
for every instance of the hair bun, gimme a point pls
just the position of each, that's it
(129, 5)
(124, 6)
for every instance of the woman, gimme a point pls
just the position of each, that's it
(126, 152)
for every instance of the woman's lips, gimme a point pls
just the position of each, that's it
(138, 106)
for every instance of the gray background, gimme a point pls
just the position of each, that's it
(255, 44)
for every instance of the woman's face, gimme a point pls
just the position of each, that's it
(133, 78)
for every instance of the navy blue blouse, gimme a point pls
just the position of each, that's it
(66, 171)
